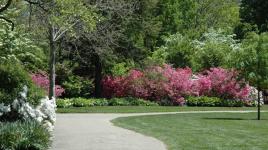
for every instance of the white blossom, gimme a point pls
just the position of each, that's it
(43, 113)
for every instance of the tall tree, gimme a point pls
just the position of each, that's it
(101, 47)
(252, 60)
(60, 17)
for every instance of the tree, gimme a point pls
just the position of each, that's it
(252, 61)
(4, 8)
(255, 13)
(60, 17)
(100, 48)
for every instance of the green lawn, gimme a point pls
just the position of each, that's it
(145, 109)
(209, 131)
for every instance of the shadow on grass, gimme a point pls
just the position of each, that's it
(231, 119)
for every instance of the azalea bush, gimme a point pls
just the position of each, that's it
(170, 86)
(41, 79)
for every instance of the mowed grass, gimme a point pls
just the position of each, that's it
(203, 131)
(148, 109)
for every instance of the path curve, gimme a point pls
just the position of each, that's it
(96, 132)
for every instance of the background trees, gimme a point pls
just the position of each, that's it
(111, 37)
(254, 13)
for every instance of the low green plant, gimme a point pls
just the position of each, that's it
(27, 135)
(119, 102)
(129, 101)
(140, 102)
(216, 102)
(82, 102)
(100, 102)
(204, 101)
(64, 103)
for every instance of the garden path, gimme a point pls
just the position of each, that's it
(96, 132)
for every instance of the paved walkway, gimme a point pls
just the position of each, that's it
(96, 132)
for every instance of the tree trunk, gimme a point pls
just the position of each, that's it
(98, 76)
(52, 61)
(259, 105)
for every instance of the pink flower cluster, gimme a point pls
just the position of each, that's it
(41, 80)
(225, 84)
(173, 85)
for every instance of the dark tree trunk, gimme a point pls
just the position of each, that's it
(98, 76)
(52, 62)
(259, 105)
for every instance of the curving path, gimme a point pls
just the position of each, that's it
(96, 132)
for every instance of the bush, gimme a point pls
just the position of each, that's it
(77, 86)
(119, 102)
(130, 102)
(26, 135)
(140, 102)
(100, 102)
(170, 86)
(64, 103)
(82, 102)
(204, 101)
(216, 102)
(13, 79)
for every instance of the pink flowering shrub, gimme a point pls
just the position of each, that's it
(171, 86)
(226, 85)
(41, 79)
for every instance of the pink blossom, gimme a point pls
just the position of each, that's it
(167, 83)
(41, 80)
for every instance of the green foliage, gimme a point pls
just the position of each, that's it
(72, 12)
(242, 29)
(177, 50)
(82, 102)
(64, 103)
(18, 47)
(252, 59)
(254, 12)
(216, 102)
(100, 102)
(214, 49)
(76, 86)
(121, 69)
(119, 102)
(130, 102)
(13, 78)
(203, 101)
(28, 135)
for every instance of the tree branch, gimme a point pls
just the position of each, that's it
(9, 21)
(6, 6)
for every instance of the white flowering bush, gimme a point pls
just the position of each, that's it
(21, 99)
(43, 113)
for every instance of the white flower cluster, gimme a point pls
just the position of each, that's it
(4, 109)
(254, 96)
(44, 113)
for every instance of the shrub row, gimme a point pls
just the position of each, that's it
(26, 135)
(83, 102)
(173, 85)
(216, 102)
